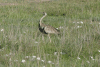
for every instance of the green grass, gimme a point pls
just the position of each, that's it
(20, 38)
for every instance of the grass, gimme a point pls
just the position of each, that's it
(21, 43)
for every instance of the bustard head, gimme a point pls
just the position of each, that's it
(44, 13)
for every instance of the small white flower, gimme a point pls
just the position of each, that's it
(34, 56)
(23, 61)
(42, 60)
(55, 53)
(36, 42)
(27, 57)
(91, 57)
(87, 61)
(49, 62)
(56, 28)
(78, 58)
(73, 22)
(43, 66)
(79, 26)
(81, 22)
(7, 55)
(77, 22)
(98, 50)
(24, 32)
(10, 59)
(2, 29)
(61, 53)
(38, 58)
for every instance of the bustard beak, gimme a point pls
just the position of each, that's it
(44, 13)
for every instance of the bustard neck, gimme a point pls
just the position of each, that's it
(42, 18)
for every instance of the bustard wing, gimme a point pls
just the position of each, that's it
(50, 29)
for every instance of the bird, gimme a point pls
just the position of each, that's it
(47, 29)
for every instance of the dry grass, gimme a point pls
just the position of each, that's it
(21, 42)
(9, 4)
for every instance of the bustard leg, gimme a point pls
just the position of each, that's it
(42, 37)
(49, 37)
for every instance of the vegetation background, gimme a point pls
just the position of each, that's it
(21, 43)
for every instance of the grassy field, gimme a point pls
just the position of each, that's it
(21, 43)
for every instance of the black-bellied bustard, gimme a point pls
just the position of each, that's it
(47, 29)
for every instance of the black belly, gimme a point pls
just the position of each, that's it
(42, 29)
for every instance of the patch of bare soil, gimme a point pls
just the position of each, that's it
(3, 4)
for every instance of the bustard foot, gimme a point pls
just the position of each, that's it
(42, 37)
